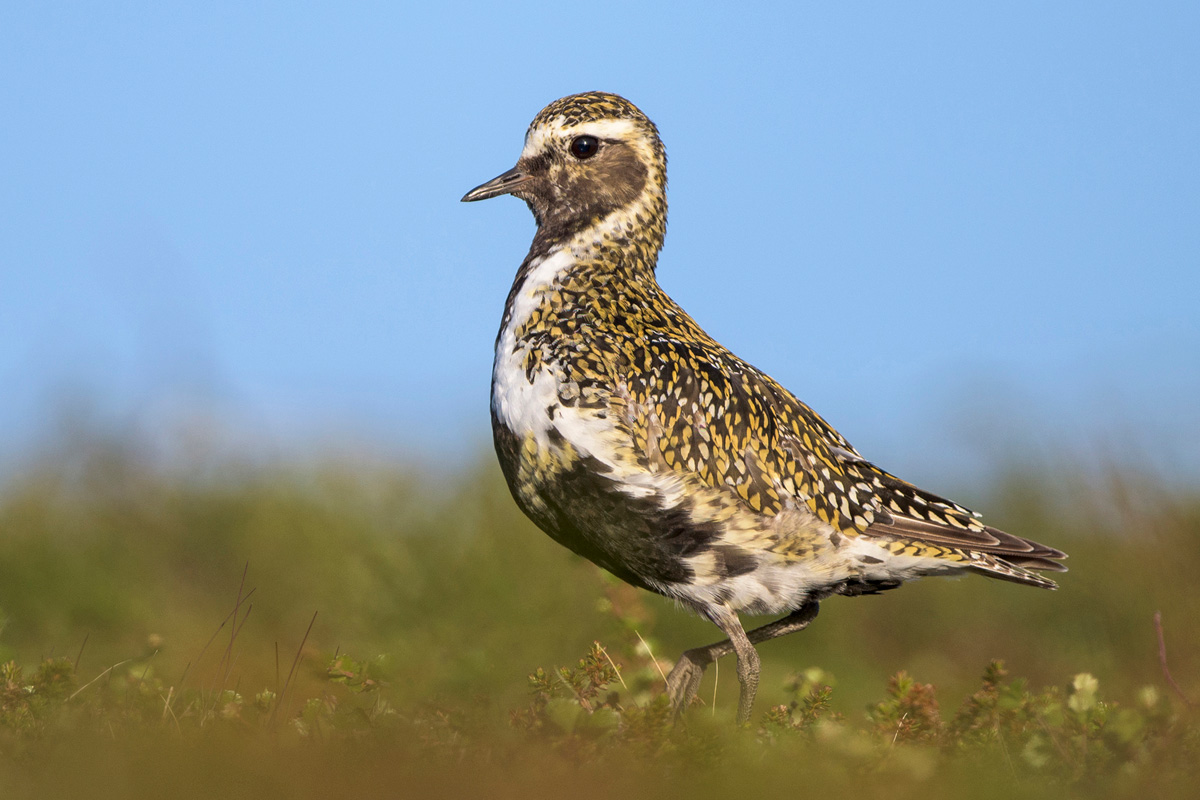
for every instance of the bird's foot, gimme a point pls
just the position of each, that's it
(684, 681)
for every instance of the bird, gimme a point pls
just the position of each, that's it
(632, 437)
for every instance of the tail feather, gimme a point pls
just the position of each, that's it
(914, 515)
(1004, 570)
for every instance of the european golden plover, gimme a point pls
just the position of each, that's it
(633, 438)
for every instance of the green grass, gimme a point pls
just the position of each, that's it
(435, 600)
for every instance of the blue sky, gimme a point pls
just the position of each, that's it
(962, 233)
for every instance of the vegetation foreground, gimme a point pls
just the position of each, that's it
(361, 629)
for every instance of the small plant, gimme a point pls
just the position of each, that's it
(1071, 736)
(811, 692)
(909, 714)
(574, 700)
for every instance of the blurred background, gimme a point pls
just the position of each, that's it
(245, 320)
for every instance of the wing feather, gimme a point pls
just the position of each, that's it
(762, 442)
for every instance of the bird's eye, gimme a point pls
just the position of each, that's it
(584, 146)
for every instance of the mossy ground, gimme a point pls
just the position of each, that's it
(159, 637)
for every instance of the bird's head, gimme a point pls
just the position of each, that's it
(588, 158)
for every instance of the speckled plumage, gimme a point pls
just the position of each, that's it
(632, 437)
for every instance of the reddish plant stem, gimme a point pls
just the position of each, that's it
(1162, 660)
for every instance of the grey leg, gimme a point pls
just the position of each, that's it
(684, 681)
(747, 661)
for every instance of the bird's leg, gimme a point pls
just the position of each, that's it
(684, 681)
(747, 660)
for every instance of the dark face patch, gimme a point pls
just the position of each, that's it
(566, 194)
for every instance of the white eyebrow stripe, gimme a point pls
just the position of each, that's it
(539, 138)
(605, 128)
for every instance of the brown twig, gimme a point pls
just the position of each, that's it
(167, 707)
(79, 655)
(227, 656)
(211, 639)
(716, 682)
(98, 677)
(146, 671)
(651, 654)
(611, 663)
(1162, 660)
(295, 661)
